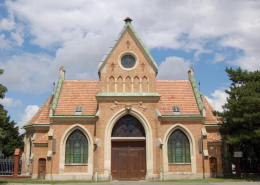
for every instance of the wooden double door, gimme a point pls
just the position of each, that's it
(128, 160)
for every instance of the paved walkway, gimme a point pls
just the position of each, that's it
(148, 183)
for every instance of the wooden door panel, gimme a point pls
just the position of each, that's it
(133, 165)
(41, 169)
(122, 165)
(128, 160)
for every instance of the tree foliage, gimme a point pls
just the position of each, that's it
(241, 115)
(9, 132)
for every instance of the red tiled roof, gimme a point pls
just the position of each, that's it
(42, 115)
(176, 93)
(210, 118)
(78, 93)
(82, 93)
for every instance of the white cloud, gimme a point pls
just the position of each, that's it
(4, 43)
(251, 62)
(219, 98)
(17, 38)
(9, 102)
(173, 68)
(29, 112)
(29, 73)
(7, 24)
(219, 57)
(80, 32)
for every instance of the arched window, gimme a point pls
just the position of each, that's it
(178, 148)
(76, 148)
(128, 126)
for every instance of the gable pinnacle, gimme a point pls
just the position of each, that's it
(128, 19)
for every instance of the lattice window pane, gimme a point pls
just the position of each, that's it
(178, 148)
(76, 148)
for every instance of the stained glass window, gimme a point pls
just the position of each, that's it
(178, 148)
(128, 126)
(76, 148)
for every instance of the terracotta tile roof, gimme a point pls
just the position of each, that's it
(176, 93)
(210, 118)
(43, 139)
(78, 93)
(42, 115)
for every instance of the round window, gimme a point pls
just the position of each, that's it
(128, 61)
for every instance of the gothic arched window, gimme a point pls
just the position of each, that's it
(178, 148)
(128, 126)
(76, 148)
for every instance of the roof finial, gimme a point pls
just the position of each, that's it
(190, 72)
(128, 19)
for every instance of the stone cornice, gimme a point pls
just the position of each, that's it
(64, 117)
(37, 126)
(212, 126)
(182, 117)
(128, 96)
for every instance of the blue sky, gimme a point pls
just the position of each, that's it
(38, 37)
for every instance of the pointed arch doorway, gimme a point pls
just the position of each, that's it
(128, 154)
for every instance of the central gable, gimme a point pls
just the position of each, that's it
(128, 67)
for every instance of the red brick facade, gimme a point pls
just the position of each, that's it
(121, 91)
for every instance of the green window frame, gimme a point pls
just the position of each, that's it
(178, 148)
(76, 148)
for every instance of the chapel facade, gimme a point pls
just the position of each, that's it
(125, 126)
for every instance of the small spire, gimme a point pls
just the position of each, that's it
(190, 72)
(62, 72)
(128, 19)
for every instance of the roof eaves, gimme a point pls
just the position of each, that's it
(36, 125)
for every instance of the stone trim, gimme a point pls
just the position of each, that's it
(128, 96)
(73, 117)
(36, 126)
(63, 143)
(192, 147)
(148, 133)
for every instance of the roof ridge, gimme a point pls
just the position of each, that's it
(137, 38)
(196, 92)
(57, 94)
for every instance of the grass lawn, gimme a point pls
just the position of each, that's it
(214, 180)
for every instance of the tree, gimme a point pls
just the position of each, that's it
(241, 115)
(9, 132)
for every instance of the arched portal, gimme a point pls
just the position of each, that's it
(128, 149)
(143, 141)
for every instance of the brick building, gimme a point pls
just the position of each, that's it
(126, 126)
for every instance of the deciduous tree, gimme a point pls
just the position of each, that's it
(9, 132)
